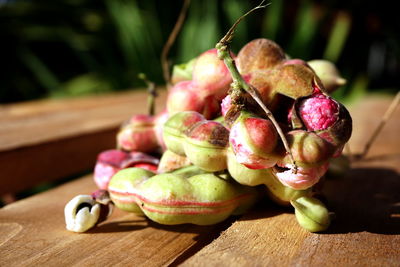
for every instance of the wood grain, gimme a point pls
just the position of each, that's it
(33, 233)
(51, 139)
(366, 231)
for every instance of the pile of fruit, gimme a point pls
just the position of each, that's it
(214, 151)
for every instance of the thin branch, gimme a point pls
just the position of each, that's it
(170, 42)
(239, 83)
(151, 90)
(382, 123)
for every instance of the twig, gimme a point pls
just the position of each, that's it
(239, 83)
(151, 90)
(171, 40)
(382, 123)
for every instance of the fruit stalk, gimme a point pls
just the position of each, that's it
(239, 83)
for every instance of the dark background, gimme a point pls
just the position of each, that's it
(70, 48)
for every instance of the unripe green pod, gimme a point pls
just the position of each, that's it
(175, 128)
(311, 214)
(187, 195)
(201, 199)
(123, 183)
(205, 145)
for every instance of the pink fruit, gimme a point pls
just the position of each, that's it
(111, 161)
(319, 112)
(305, 177)
(253, 141)
(211, 75)
(325, 116)
(185, 96)
(138, 134)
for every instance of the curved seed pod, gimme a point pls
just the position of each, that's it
(328, 73)
(211, 75)
(171, 161)
(111, 161)
(205, 145)
(259, 54)
(311, 214)
(277, 191)
(175, 128)
(123, 185)
(187, 195)
(138, 134)
(254, 141)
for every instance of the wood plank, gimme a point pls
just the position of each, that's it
(366, 201)
(366, 231)
(33, 233)
(36, 122)
(51, 139)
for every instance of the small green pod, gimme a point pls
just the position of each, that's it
(175, 128)
(206, 144)
(187, 195)
(122, 188)
(311, 214)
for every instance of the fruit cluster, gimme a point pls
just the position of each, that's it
(218, 147)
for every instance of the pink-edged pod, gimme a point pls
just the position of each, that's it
(138, 134)
(175, 128)
(186, 96)
(310, 153)
(205, 145)
(254, 141)
(259, 54)
(111, 161)
(171, 161)
(123, 188)
(325, 116)
(159, 122)
(188, 195)
(278, 192)
(211, 75)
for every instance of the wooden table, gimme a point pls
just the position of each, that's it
(366, 200)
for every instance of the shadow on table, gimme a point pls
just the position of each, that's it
(365, 199)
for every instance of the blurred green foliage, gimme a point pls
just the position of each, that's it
(79, 47)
